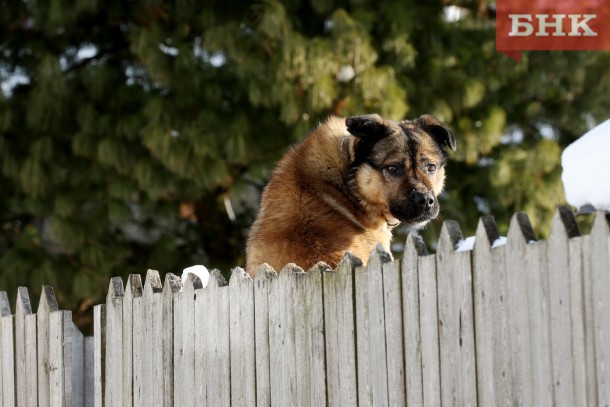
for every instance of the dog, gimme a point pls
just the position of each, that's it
(346, 186)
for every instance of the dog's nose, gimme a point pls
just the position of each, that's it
(423, 200)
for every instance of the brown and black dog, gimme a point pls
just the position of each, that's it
(346, 186)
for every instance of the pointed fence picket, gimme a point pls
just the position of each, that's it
(521, 323)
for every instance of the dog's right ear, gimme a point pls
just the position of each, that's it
(367, 126)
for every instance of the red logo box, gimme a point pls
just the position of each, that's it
(551, 25)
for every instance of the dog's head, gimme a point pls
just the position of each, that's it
(398, 168)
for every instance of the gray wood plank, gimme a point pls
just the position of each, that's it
(31, 368)
(309, 337)
(22, 308)
(540, 329)
(113, 393)
(563, 228)
(47, 304)
(589, 316)
(370, 331)
(600, 266)
(456, 316)
(89, 376)
(133, 289)
(60, 359)
(519, 234)
(428, 311)
(494, 377)
(243, 361)
(78, 366)
(184, 343)
(395, 355)
(172, 286)
(7, 357)
(152, 357)
(217, 375)
(340, 330)
(414, 248)
(99, 354)
(262, 280)
(281, 337)
(577, 313)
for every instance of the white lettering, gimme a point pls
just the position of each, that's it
(582, 25)
(545, 22)
(517, 23)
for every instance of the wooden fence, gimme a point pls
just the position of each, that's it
(524, 323)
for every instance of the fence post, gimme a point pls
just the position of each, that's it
(340, 330)
(262, 280)
(370, 331)
(47, 304)
(428, 317)
(7, 352)
(456, 317)
(151, 357)
(414, 248)
(600, 262)
(494, 377)
(184, 343)
(172, 285)
(114, 344)
(23, 381)
(563, 228)
(60, 358)
(309, 337)
(212, 363)
(133, 289)
(519, 234)
(243, 361)
(281, 337)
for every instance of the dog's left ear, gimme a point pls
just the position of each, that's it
(437, 130)
(367, 126)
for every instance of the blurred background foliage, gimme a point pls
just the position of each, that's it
(139, 134)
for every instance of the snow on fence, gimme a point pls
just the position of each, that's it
(522, 323)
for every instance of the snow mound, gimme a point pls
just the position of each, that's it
(468, 243)
(198, 270)
(586, 169)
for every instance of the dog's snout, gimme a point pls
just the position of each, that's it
(423, 200)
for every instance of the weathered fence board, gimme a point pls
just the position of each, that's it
(456, 320)
(414, 248)
(519, 234)
(243, 362)
(428, 321)
(114, 344)
(281, 337)
(600, 267)
(8, 352)
(564, 227)
(133, 289)
(340, 338)
(494, 375)
(262, 280)
(184, 343)
(309, 338)
(521, 323)
(370, 331)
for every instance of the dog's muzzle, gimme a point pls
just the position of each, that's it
(418, 207)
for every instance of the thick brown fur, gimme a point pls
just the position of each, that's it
(345, 187)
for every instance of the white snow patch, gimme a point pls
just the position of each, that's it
(465, 244)
(586, 169)
(501, 241)
(198, 270)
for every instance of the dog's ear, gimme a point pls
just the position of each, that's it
(437, 130)
(367, 126)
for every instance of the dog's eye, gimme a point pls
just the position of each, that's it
(431, 168)
(392, 169)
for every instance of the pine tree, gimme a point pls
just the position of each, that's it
(127, 127)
